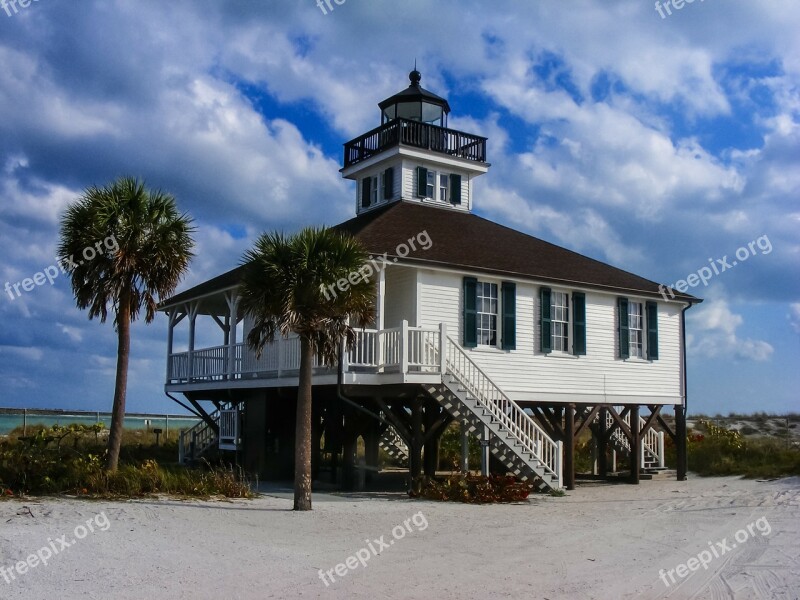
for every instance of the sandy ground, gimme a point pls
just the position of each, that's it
(601, 541)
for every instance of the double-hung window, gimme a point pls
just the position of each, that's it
(636, 329)
(487, 313)
(562, 327)
(560, 319)
(444, 187)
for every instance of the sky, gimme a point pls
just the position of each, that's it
(659, 141)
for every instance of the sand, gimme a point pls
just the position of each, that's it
(600, 541)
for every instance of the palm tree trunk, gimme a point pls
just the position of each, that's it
(302, 447)
(121, 383)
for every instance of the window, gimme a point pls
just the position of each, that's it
(374, 189)
(560, 319)
(638, 321)
(430, 187)
(563, 328)
(444, 186)
(377, 188)
(487, 313)
(636, 329)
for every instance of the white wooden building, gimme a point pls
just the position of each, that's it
(526, 343)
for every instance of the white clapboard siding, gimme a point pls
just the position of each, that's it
(409, 174)
(401, 296)
(525, 373)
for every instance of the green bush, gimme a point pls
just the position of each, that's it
(450, 448)
(69, 460)
(715, 450)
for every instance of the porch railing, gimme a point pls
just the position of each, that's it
(417, 135)
(401, 349)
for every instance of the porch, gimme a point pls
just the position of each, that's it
(402, 354)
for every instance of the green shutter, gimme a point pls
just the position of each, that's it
(388, 183)
(652, 331)
(455, 189)
(470, 323)
(366, 189)
(422, 182)
(624, 334)
(509, 335)
(579, 323)
(546, 345)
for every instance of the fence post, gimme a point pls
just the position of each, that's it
(24, 422)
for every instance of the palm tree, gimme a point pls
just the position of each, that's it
(288, 287)
(125, 248)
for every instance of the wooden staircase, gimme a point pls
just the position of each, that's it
(198, 440)
(471, 397)
(391, 443)
(652, 458)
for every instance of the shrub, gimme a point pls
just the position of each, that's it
(63, 460)
(720, 451)
(472, 489)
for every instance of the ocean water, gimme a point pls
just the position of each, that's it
(10, 422)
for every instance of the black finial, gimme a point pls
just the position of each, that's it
(415, 76)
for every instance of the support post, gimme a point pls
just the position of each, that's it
(372, 449)
(415, 461)
(636, 444)
(680, 442)
(602, 444)
(192, 321)
(233, 321)
(404, 347)
(661, 449)
(430, 457)
(569, 447)
(442, 348)
(380, 318)
(485, 451)
(464, 447)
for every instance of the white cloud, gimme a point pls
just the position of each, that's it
(714, 328)
(794, 316)
(73, 333)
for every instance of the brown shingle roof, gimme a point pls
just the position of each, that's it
(467, 242)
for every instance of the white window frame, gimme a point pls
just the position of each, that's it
(430, 185)
(374, 190)
(492, 318)
(444, 190)
(564, 310)
(434, 190)
(636, 335)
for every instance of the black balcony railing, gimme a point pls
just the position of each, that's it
(418, 135)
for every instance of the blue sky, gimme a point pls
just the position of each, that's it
(651, 143)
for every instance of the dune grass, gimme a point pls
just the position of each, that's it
(69, 460)
(715, 450)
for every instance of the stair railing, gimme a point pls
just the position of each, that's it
(196, 440)
(507, 412)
